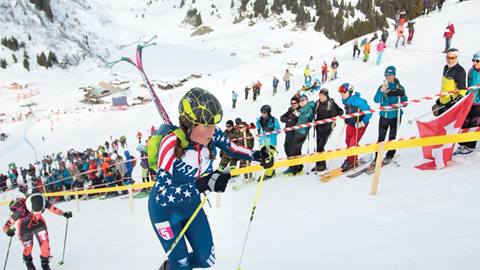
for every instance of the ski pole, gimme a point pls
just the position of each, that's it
(338, 143)
(64, 243)
(255, 200)
(8, 252)
(185, 228)
(425, 114)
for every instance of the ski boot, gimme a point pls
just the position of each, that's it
(386, 160)
(319, 167)
(463, 150)
(45, 263)
(29, 262)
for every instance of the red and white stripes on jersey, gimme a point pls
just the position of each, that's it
(166, 153)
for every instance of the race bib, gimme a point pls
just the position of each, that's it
(164, 230)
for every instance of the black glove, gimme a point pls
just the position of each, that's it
(67, 214)
(11, 232)
(216, 181)
(265, 156)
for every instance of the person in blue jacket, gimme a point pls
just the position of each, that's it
(390, 92)
(185, 157)
(473, 117)
(130, 163)
(266, 123)
(355, 126)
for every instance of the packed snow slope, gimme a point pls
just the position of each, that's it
(419, 220)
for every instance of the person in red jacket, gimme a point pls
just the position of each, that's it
(28, 213)
(448, 34)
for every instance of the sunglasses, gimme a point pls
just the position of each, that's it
(293, 103)
(303, 100)
(476, 61)
(451, 57)
(229, 126)
(241, 126)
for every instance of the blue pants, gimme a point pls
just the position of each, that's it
(379, 57)
(167, 224)
(287, 85)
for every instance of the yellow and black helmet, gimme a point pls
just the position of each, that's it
(200, 107)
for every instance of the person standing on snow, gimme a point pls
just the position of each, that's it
(226, 160)
(185, 170)
(28, 213)
(275, 84)
(324, 72)
(411, 31)
(356, 126)
(287, 76)
(356, 50)
(473, 117)
(334, 69)
(366, 52)
(325, 107)
(400, 35)
(305, 115)
(290, 119)
(448, 35)
(307, 73)
(390, 92)
(380, 49)
(234, 99)
(453, 83)
(267, 123)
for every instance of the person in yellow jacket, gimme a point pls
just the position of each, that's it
(366, 51)
(307, 73)
(453, 83)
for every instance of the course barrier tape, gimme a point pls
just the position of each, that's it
(355, 114)
(333, 154)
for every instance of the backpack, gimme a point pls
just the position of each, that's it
(154, 141)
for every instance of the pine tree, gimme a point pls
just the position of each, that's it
(42, 60)
(14, 58)
(3, 63)
(26, 64)
(259, 7)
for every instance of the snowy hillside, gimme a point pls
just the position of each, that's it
(419, 220)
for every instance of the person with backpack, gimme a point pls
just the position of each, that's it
(334, 69)
(267, 123)
(184, 170)
(473, 117)
(355, 126)
(305, 115)
(390, 92)
(28, 213)
(325, 107)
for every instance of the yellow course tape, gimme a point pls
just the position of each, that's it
(390, 145)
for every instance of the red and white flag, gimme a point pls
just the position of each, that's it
(450, 122)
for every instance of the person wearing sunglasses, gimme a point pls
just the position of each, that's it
(453, 83)
(305, 115)
(355, 126)
(473, 117)
(226, 160)
(266, 123)
(290, 119)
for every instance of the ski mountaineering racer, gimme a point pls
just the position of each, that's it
(184, 171)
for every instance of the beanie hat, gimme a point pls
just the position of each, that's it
(390, 70)
(229, 123)
(238, 121)
(304, 97)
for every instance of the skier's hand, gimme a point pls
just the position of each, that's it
(68, 214)
(384, 88)
(266, 156)
(359, 125)
(216, 181)
(11, 232)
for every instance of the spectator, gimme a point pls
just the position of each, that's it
(448, 35)
(356, 50)
(286, 78)
(275, 84)
(290, 119)
(380, 49)
(234, 99)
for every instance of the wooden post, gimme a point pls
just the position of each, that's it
(76, 200)
(219, 200)
(130, 197)
(378, 167)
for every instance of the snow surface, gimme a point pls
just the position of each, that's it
(419, 220)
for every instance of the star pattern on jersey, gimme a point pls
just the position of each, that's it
(178, 190)
(187, 193)
(171, 198)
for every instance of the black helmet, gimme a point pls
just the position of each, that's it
(36, 203)
(200, 107)
(324, 91)
(266, 108)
